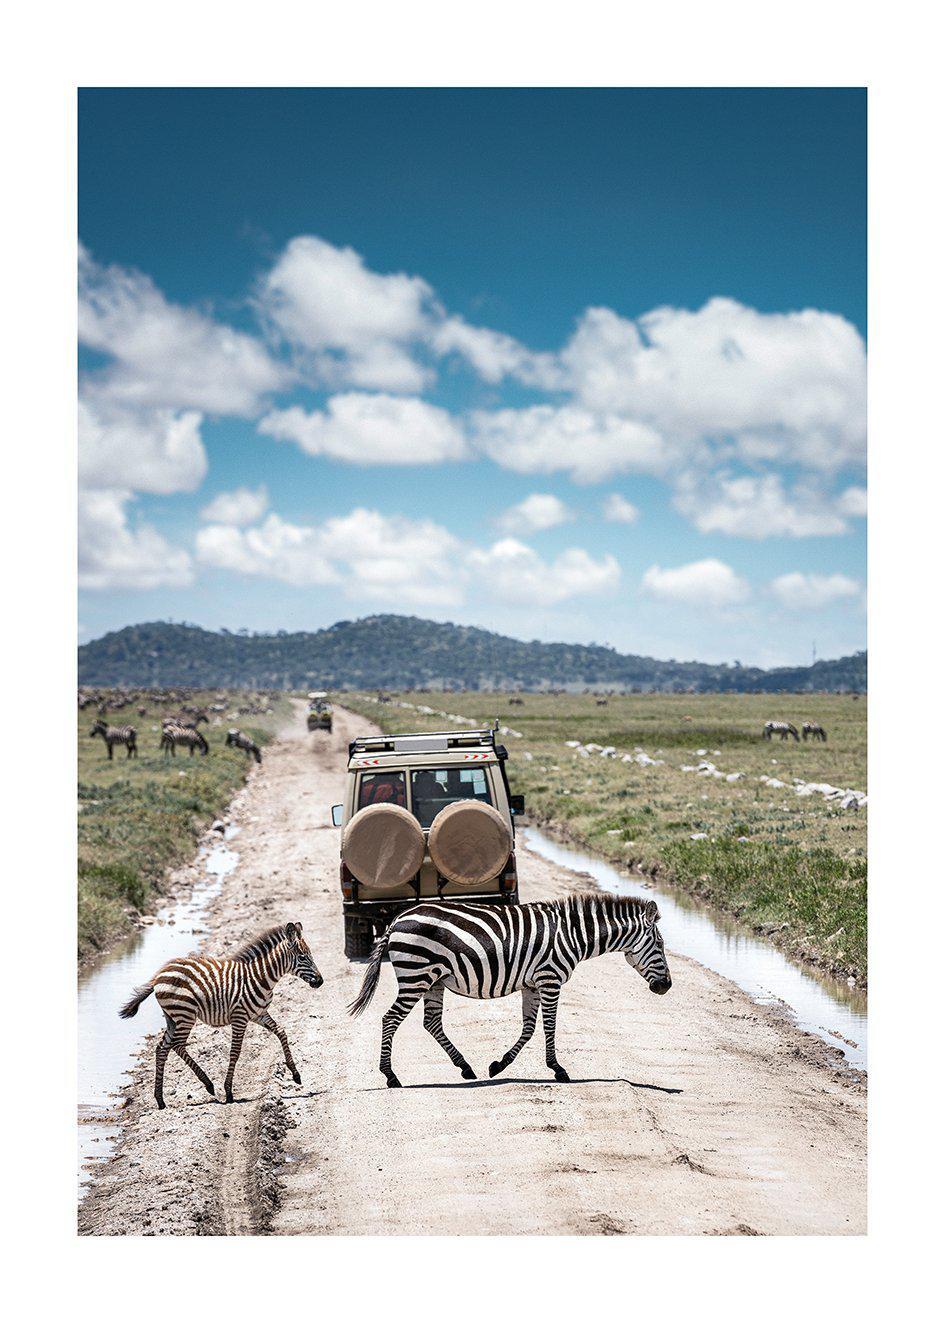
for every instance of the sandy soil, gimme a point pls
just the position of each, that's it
(698, 1113)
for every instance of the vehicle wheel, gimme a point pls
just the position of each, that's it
(359, 938)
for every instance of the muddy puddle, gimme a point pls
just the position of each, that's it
(821, 1005)
(108, 1045)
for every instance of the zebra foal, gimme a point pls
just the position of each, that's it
(813, 730)
(237, 740)
(113, 735)
(233, 990)
(483, 951)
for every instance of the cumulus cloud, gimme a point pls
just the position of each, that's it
(853, 502)
(517, 574)
(812, 592)
(757, 507)
(705, 583)
(494, 355)
(365, 553)
(115, 555)
(157, 450)
(371, 429)
(618, 510)
(536, 513)
(549, 439)
(164, 356)
(729, 380)
(239, 507)
(356, 327)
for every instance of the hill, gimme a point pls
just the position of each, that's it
(400, 652)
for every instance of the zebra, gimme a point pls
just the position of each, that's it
(813, 730)
(113, 735)
(187, 736)
(782, 728)
(237, 740)
(233, 990)
(483, 951)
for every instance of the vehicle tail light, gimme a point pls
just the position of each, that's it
(509, 880)
(348, 881)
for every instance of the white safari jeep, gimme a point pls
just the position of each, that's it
(426, 817)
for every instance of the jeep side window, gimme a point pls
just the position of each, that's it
(382, 788)
(433, 788)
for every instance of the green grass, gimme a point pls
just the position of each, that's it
(800, 877)
(140, 817)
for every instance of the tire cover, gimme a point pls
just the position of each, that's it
(383, 846)
(469, 842)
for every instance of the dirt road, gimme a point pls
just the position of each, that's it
(695, 1113)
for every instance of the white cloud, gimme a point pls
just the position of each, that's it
(156, 450)
(367, 554)
(757, 507)
(356, 326)
(494, 355)
(240, 507)
(371, 429)
(729, 381)
(812, 592)
(546, 439)
(514, 572)
(113, 555)
(706, 583)
(853, 502)
(618, 510)
(536, 513)
(164, 356)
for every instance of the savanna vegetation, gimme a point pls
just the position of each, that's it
(140, 816)
(791, 866)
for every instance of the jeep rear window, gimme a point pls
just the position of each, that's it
(432, 788)
(382, 788)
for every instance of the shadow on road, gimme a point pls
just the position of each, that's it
(540, 1084)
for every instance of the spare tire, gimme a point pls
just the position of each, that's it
(469, 842)
(383, 846)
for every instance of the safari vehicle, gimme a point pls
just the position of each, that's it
(319, 711)
(426, 817)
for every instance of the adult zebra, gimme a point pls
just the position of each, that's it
(237, 740)
(813, 730)
(187, 737)
(113, 735)
(487, 951)
(782, 728)
(235, 990)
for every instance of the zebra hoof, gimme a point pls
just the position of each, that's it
(393, 1082)
(297, 1077)
(561, 1075)
(228, 1097)
(468, 1073)
(495, 1068)
(161, 1104)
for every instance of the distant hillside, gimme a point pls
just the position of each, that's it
(400, 652)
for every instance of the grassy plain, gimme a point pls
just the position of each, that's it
(140, 816)
(799, 873)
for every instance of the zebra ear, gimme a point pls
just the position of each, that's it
(293, 930)
(651, 910)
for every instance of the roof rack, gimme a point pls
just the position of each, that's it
(427, 741)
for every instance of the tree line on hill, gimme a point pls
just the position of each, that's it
(405, 652)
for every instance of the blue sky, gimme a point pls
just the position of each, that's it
(572, 364)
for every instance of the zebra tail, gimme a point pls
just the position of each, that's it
(371, 977)
(257, 755)
(204, 746)
(139, 995)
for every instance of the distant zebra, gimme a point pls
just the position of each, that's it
(813, 730)
(484, 951)
(233, 990)
(113, 735)
(237, 740)
(187, 737)
(782, 728)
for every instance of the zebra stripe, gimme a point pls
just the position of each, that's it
(782, 728)
(237, 740)
(113, 735)
(479, 950)
(235, 990)
(813, 730)
(187, 737)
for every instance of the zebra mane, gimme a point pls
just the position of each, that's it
(260, 944)
(594, 902)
